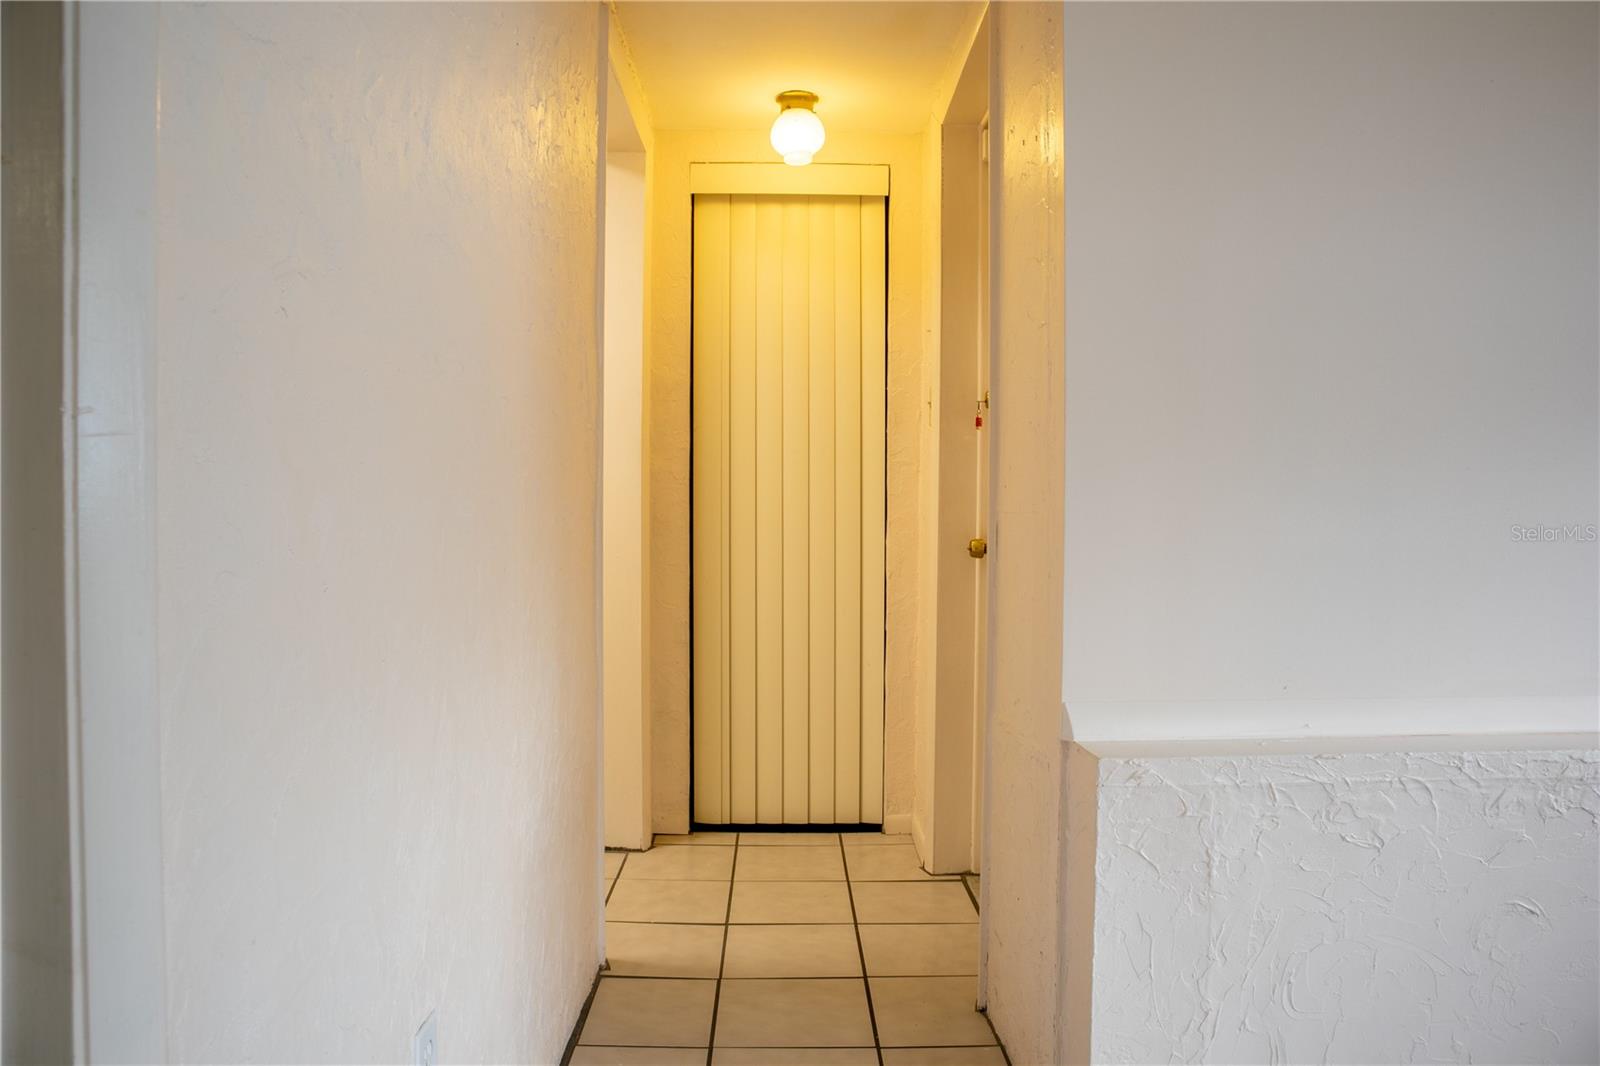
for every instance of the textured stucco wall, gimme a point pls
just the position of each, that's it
(1023, 810)
(670, 295)
(377, 455)
(1380, 908)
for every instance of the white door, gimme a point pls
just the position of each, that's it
(788, 508)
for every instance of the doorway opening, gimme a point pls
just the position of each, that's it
(795, 410)
(950, 815)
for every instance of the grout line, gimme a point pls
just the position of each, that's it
(966, 884)
(612, 887)
(713, 925)
(809, 1047)
(800, 1047)
(925, 879)
(722, 960)
(790, 977)
(866, 983)
(1001, 1044)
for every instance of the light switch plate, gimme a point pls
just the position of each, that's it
(425, 1044)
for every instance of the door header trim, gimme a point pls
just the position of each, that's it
(818, 179)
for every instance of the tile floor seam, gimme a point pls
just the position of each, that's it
(965, 883)
(795, 977)
(827, 1047)
(832, 880)
(722, 962)
(612, 887)
(866, 978)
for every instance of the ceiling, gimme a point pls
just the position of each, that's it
(876, 66)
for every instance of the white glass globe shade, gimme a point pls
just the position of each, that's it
(797, 135)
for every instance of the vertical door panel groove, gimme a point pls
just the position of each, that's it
(788, 508)
(741, 417)
(769, 510)
(847, 483)
(823, 532)
(796, 502)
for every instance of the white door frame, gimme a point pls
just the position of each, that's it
(780, 179)
(949, 837)
(624, 481)
(93, 792)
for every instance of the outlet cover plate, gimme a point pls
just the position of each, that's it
(425, 1044)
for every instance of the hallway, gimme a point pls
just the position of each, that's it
(1144, 453)
(786, 948)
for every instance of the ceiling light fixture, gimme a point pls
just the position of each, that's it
(797, 132)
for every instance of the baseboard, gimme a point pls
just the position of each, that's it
(919, 837)
(897, 823)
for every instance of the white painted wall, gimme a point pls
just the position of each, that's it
(1022, 810)
(1331, 314)
(1368, 907)
(625, 596)
(375, 269)
(674, 151)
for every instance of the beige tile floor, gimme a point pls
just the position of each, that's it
(786, 949)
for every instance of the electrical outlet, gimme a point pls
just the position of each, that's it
(425, 1044)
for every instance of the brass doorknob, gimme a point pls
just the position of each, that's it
(977, 547)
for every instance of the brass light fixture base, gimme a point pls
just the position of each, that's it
(797, 98)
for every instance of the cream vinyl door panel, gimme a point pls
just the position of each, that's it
(788, 508)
